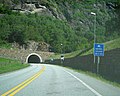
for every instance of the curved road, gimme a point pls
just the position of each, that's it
(50, 80)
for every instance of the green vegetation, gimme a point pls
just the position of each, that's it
(113, 44)
(8, 65)
(20, 28)
(72, 54)
(4, 9)
(67, 55)
(75, 31)
(4, 44)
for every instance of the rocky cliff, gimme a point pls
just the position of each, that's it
(77, 14)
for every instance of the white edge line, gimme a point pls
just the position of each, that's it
(91, 89)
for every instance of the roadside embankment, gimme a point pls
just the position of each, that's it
(109, 67)
(8, 65)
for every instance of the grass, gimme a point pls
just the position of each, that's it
(67, 55)
(113, 44)
(8, 65)
(5, 45)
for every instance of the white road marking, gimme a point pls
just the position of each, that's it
(90, 88)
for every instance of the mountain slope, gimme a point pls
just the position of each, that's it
(65, 21)
(113, 44)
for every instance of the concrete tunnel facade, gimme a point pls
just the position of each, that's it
(33, 58)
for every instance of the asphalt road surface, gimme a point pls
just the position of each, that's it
(50, 80)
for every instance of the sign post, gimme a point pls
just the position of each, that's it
(98, 51)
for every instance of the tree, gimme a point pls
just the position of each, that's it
(16, 36)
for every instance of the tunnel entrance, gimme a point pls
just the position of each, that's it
(33, 58)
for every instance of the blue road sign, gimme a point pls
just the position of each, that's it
(98, 49)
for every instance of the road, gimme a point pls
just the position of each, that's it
(50, 80)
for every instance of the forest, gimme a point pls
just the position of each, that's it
(75, 32)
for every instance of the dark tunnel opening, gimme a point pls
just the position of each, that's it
(34, 59)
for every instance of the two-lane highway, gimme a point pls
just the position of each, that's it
(50, 80)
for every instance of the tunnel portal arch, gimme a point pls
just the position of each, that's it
(33, 58)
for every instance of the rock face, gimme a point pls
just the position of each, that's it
(77, 14)
(33, 46)
(37, 46)
(31, 8)
(21, 54)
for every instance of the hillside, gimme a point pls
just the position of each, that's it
(8, 65)
(57, 22)
(113, 44)
(110, 45)
(109, 65)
